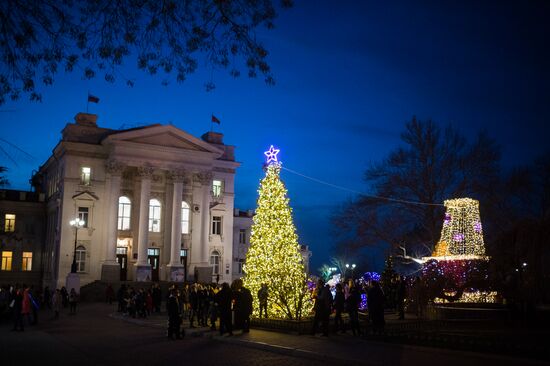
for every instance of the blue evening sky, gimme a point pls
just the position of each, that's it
(349, 75)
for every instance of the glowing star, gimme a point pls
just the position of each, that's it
(271, 155)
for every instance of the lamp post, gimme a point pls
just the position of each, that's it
(77, 223)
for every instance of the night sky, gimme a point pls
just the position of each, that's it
(349, 75)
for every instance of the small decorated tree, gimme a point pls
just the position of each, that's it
(274, 256)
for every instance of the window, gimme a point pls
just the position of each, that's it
(242, 236)
(9, 223)
(216, 225)
(215, 262)
(154, 216)
(83, 215)
(27, 261)
(80, 259)
(6, 260)
(184, 218)
(217, 188)
(124, 212)
(241, 262)
(85, 175)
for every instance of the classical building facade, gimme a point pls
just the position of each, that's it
(156, 202)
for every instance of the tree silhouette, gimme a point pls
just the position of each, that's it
(40, 38)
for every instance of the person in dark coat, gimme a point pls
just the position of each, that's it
(223, 299)
(263, 295)
(375, 303)
(339, 301)
(322, 308)
(17, 310)
(193, 305)
(352, 307)
(243, 306)
(174, 318)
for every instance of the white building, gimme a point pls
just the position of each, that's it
(242, 222)
(157, 204)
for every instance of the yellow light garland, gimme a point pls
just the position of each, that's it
(274, 256)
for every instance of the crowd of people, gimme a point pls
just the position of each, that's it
(22, 303)
(202, 304)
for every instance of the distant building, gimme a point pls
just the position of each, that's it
(157, 204)
(242, 222)
(22, 235)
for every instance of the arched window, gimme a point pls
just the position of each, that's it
(184, 217)
(124, 212)
(80, 259)
(215, 262)
(154, 216)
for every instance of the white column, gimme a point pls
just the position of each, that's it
(143, 269)
(112, 235)
(110, 269)
(176, 224)
(206, 181)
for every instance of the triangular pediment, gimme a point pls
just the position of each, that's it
(85, 196)
(165, 136)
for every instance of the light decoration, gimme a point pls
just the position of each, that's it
(458, 265)
(274, 256)
(271, 155)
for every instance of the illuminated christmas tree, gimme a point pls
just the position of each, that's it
(274, 256)
(457, 271)
(462, 233)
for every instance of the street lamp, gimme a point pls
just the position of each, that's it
(77, 223)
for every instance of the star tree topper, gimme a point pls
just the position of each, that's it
(271, 155)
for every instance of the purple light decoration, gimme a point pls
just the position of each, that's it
(447, 219)
(363, 304)
(458, 237)
(371, 276)
(271, 155)
(477, 227)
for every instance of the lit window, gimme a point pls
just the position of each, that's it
(184, 218)
(215, 262)
(80, 259)
(27, 261)
(6, 260)
(217, 188)
(154, 216)
(83, 215)
(9, 225)
(124, 212)
(85, 175)
(242, 236)
(216, 225)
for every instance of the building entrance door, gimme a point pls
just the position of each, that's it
(122, 260)
(183, 260)
(153, 255)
